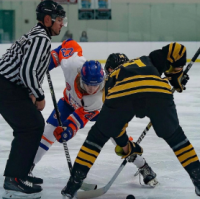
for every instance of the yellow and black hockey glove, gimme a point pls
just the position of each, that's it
(175, 78)
(134, 149)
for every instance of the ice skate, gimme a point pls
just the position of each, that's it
(149, 176)
(33, 179)
(74, 183)
(195, 177)
(18, 189)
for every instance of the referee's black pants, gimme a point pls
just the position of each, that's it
(27, 123)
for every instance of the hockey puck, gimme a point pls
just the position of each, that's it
(130, 197)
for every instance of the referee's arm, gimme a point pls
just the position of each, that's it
(35, 62)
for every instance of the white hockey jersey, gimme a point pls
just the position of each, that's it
(69, 57)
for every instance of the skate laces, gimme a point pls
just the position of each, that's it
(27, 183)
(144, 171)
(30, 174)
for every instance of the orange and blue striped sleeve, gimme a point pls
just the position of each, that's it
(79, 118)
(69, 47)
(54, 62)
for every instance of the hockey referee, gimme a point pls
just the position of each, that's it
(22, 70)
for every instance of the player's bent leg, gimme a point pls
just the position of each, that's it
(46, 142)
(186, 155)
(84, 161)
(48, 138)
(149, 176)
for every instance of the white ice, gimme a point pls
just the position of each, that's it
(174, 181)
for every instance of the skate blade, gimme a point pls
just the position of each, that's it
(153, 183)
(197, 191)
(19, 195)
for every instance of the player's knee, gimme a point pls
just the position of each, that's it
(96, 136)
(122, 140)
(177, 137)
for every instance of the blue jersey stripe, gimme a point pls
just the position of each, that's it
(44, 146)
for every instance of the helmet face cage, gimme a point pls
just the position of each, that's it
(92, 73)
(114, 60)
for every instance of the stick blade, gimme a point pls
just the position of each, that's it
(86, 187)
(91, 193)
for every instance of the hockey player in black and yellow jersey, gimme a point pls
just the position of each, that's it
(135, 88)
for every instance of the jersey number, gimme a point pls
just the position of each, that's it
(67, 52)
(138, 62)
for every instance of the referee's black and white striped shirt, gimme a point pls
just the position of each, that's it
(27, 60)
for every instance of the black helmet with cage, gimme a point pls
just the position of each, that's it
(51, 8)
(114, 60)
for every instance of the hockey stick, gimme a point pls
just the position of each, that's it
(85, 186)
(103, 190)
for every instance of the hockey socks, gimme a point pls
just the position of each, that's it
(184, 150)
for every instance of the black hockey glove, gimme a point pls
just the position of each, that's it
(134, 149)
(185, 80)
(175, 78)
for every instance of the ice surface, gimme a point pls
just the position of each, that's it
(174, 181)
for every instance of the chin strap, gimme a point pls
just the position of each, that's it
(49, 28)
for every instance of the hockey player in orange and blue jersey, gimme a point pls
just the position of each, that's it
(82, 99)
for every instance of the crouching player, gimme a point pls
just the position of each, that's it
(82, 99)
(135, 88)
(149, 176)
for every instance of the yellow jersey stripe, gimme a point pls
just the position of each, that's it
(130, 85)
(123, 130)
(89, 151)
(142, 77)
(125, 93)
(190, 161)
(183, 149)
(83, 163)
(87, 157)
(187, 155)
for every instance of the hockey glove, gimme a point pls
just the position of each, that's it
(134, 149)
(175, 78)
(63, 133)
(185, 80)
